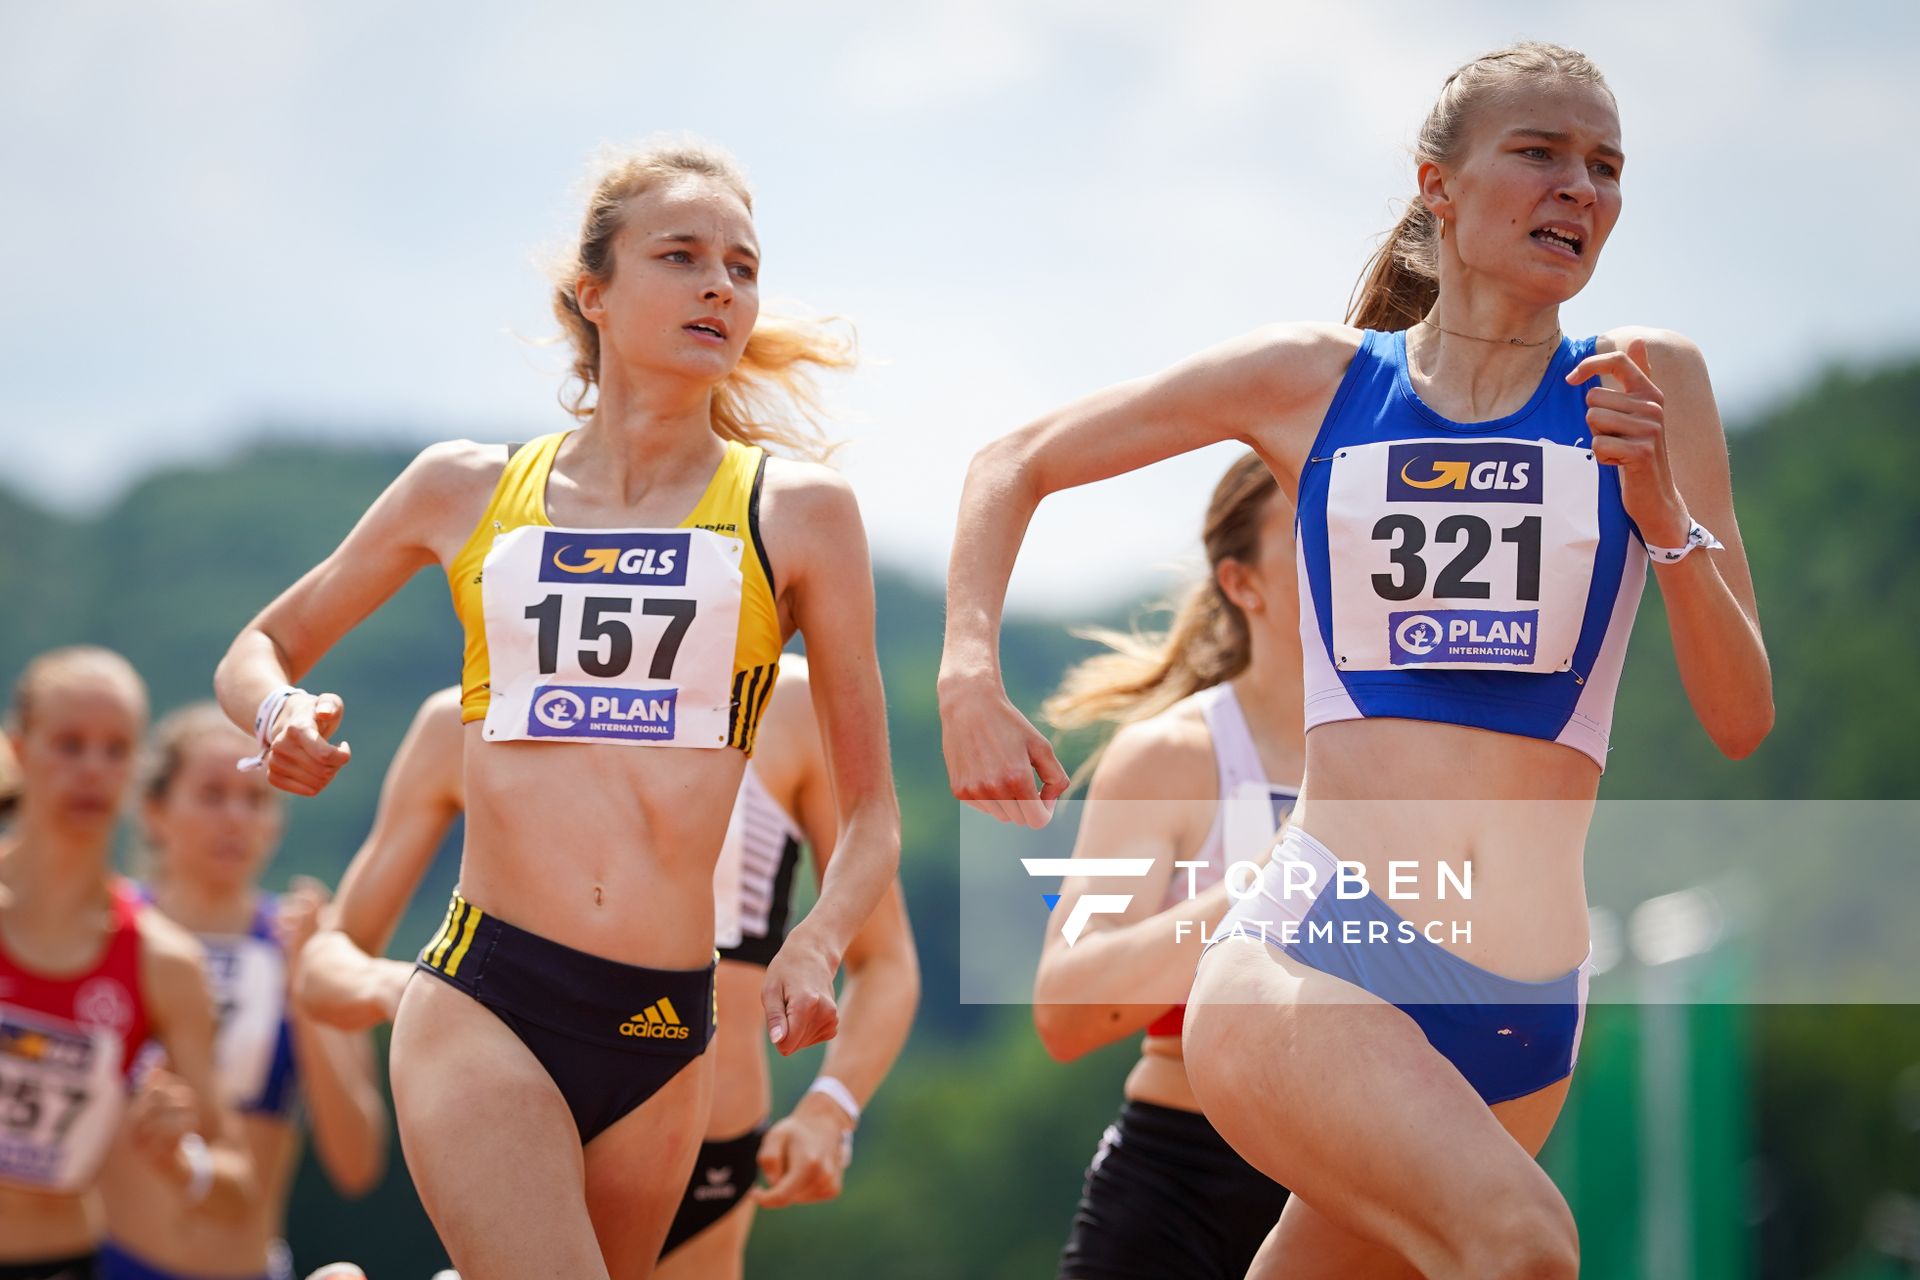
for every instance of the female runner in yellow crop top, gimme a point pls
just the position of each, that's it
(628, 583)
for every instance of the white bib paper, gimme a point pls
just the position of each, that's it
(1461, 554)
(611, 635)
(248, 976)
(61, 1098)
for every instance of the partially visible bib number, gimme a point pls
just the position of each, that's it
(611, 635)
(248, 978)
(1461, 554)
(61, 1098)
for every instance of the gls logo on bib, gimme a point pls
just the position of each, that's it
(583, 711)
(1471, 471)
(648, 559)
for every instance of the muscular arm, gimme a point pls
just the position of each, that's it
(1711, 611)
(882, 987)
(345, 1112)
(344, 979)
(801, 1154)
(400, 534)
(829, 581)
(1258, 389)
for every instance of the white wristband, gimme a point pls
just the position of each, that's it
(193, 1149)
(263, 719)
(839, 1093)
(1697, 536)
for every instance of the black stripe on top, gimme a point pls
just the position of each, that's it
(760, 705)
(753, 525)
(748, 700)
(733, 709)
(751, 689)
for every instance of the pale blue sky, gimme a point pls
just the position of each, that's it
(222, 214)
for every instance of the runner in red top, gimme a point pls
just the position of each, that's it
(86, 976)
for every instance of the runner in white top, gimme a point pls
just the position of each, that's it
(1207, 780)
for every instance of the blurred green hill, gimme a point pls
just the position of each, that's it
(970, 1160)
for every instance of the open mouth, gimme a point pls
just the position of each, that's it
(1560, 239)
(706, 329)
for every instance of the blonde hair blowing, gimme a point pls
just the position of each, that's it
(770, 397)
(1208, 644)
(1400, 282)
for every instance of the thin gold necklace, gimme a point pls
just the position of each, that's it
(1507, 342)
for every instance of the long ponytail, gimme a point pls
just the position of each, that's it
(1143, 674)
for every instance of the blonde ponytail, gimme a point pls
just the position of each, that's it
(1401, 281)
(1208, 643)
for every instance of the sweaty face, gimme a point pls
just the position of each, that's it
(214, 825)
(77, 754)
(1538, 191)
(685, 291)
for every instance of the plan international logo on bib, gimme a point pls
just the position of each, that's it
(651, 558)
(1467, 471)
(1463, 635)
(618, 715)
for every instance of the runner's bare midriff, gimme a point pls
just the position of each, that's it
(606, 849)
(1513, 810)
(1160, 1077)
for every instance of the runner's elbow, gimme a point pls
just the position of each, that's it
(1740, 737)
(1062, 1031)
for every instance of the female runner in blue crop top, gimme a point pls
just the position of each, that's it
(1479, 501)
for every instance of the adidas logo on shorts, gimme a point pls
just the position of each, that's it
(719, 1186)
(657, 1021)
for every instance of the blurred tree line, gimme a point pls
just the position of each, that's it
(969, 1161)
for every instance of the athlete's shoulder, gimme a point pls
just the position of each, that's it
(791, 706)
(1661, 343)
(453, 468)
(795, 480)
(1168, 756)
(440, 710)
(1675, 362)
(171, 958)
(808, 502)
(427, 766)
(1304, 354)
